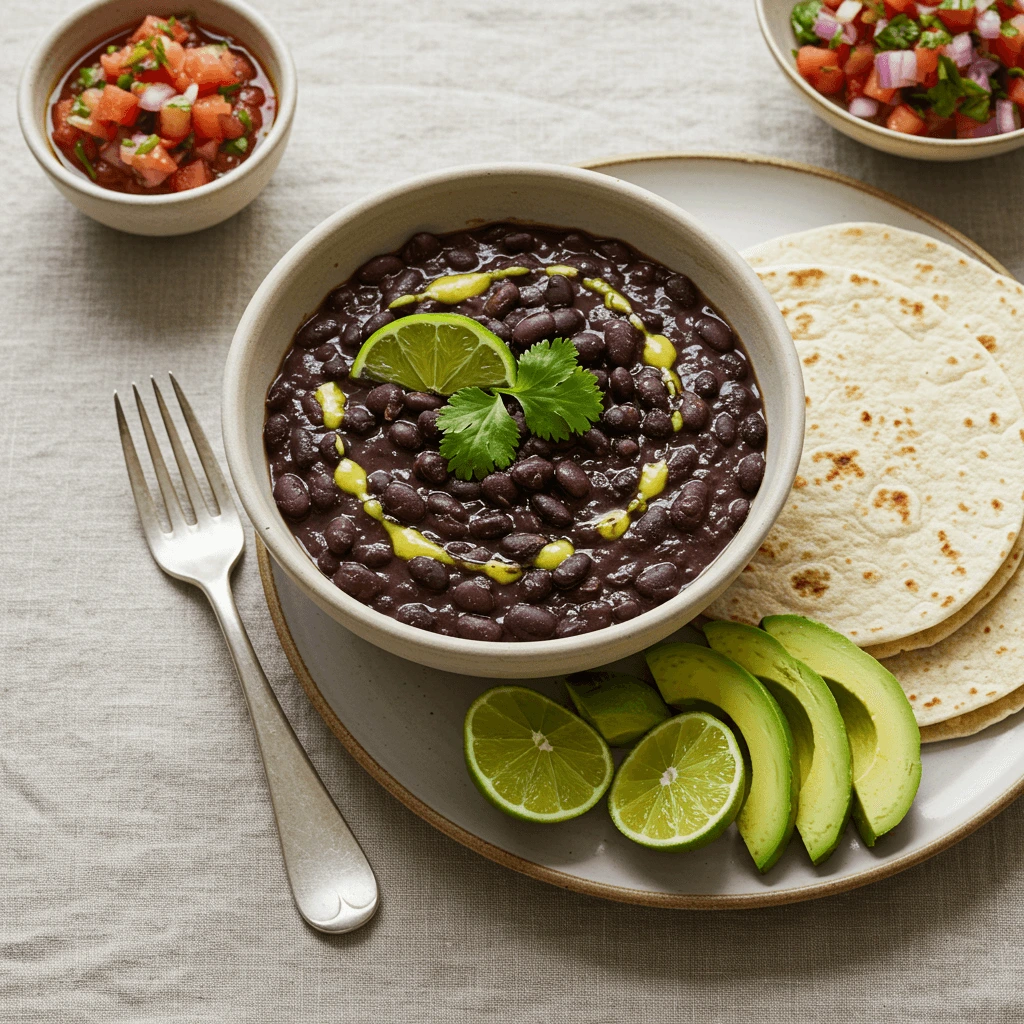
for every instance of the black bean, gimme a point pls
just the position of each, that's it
(679, 288)
(352, 336)
(653, 320)
(498, 489)
(428, 572)
(522, 547)
(596, 441)
(442, 504)
(275, 430)
(589, 347)
(551, 510)
(475, 554)
(339, 534)
(570, 626)
(626, 448)
(559, 292)
(737, 512)
(357, 581)
(464, 490)
(590, 587)
(409, 282)
(280, 392)
(518, 241)
(734, 397)
(461, 259)
(533, 473)
(596, 615)
(422, 246)
(386, 401)
(530, 622)
(291, 496)
(626, 610)
(695, 411)
(715, 333)
(427, 422)
(623, 576)
(489, 525)
(418, 615)
(316, 332)
(535, 446)
(328, 562)
(311, 407)
(358, 419)
(338, 366)
(531, 296)
(651, 528)
(616, 251)
(420, 401)
(572, 479)
(705, 384)
(325, 353)
(724, 429)
(503, 331)
(401, 501)
(451, 529)
(376, 322)
(377, 481)
(405, 435)
(709, 451)
(625, 482)
(652, 392)
(753, 430)
(502, 300)
(750, 472)
(537, 585)
(572, 571)
(323, 492)
(477, 627)
(473, 596)
(534, 328)
(568, 322)
(520, 421)
(621, 419)
(690, 505)
(735, 365)
(376, 554)
(657, 423)
(681, 463)
(658, 581)
(431, 468)
(621, 339)
(378, 268)
(642, 273)
(586, 265)
(620, 383)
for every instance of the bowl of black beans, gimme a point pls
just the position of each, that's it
(639, 441)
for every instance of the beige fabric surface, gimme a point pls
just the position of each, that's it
(140, 878)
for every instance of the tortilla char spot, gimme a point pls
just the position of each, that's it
(987, 629)
(942, 301)
(912, 308)
(948, 601)
(810, 582)
(803, 324)
(767, 550)
(935, 594)
(853, 391)
(857, 279)
(947, 548)
(799, 482)
(959, 571)
(853, 232)
(994, 419)
(911, 585)
(897, 423)
(907, 449)
(997, 504)
(1002, 650)
(925, 268)
(865, 417)
(812, 359)
(963, 507)
(988, 341)
(983, 454)
(952, 360)
(968, 422)
(843, 464)
(869, 575)
(973, 689)
(933, 702)
(800, 278)
(913, 696)
(894, 501)
(807, 402)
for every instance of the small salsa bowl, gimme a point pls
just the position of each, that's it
(453, 200)
(773, 17)
(175, 213)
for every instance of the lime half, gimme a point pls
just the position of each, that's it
(436, 352)
(681, 786)
(533, 759)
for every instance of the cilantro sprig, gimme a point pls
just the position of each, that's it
(951, 87)
(558, 398)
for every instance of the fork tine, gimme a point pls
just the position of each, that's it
(213, 474)
(140, 489)
(163, 478)
(188, 478)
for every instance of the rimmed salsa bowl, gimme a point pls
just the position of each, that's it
(462, 200)
(171, 213)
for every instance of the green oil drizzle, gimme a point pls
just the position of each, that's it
(658, 350)
(332, 401)
(552, 555)
(653, 478)
(455, 288)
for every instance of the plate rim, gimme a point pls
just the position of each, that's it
(605, 890)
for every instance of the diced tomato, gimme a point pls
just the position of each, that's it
(175, 122)
(244, 70)
(1006, 11)
(175, 54)
(820, 66)
(904, 119)
(965, 126)
(231, 127)
(855, 87)
(206, 116)
(875, 91)
(927, 64)
(894, 7)
(192, 175)
(938, 127)
(833, 3)
(117, 105)
(860, 60)
(208, 151)
(208, 67)
(116, 64)
(153, 25)
(64, 135)
(957, 21)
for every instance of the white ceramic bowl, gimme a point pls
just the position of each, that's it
(773, 17)
(452, 200)
(176, 213)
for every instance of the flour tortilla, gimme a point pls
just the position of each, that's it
(909, 493)
(988, 305)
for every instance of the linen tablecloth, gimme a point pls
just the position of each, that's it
(140, 875)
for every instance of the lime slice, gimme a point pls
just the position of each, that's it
(681, 785)
(533, 759)
(436, 352)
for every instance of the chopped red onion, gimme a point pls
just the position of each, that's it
(156, 96)
(848, 10)
(1007, 116)
(880, 24)
(896, 68)
(863, 106)
(922, 10)
(988, 25)
(111, 152)
(983, 5)
(960, 51)
(826, 26)
(978, 74)
(850, 33)
(981, 131)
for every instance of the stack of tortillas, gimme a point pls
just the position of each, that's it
(903, 529)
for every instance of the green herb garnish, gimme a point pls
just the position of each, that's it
(229, 90)
(159, 53)
(558, 398)
(956, 5)
(92, 78)
(951, 87)
(1008, 30)
(236, 147)
(84, 160)
(900, 34)
(148, 145)
(243, 115)
(1015, 72)
(79, 109)
(111, 48)
(802, 20)
(934, 34)
(125, 81)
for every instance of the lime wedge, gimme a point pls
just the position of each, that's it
(436, 352)
(533, 759)
(681, 785)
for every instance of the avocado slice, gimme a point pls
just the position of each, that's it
(688, 673)
(822, 751)
(620, 707)
(885, 741)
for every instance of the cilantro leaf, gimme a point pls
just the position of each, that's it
(950, 87)
(802, 20)
(479, 434)
(900, 34)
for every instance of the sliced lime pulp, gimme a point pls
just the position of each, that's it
(532, 758)
(681, 786)
(436, 352)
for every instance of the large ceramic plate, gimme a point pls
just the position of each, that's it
(403, 723)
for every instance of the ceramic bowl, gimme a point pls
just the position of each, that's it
(176, 213)
(773, 17)
(456, 199)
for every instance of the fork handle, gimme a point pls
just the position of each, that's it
(331, 879)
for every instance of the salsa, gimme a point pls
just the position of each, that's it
(163, 107)
(951, 71)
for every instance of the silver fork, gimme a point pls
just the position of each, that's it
(331, 879)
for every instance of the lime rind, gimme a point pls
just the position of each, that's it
(437, 353)
(532, 758)
(681, 786)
